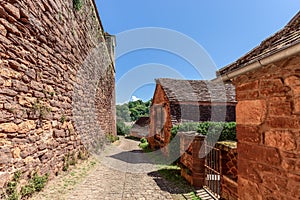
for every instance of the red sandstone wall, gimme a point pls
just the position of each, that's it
(268, 131)
(44, 45)
(160, 98)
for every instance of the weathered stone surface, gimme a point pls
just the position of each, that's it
(268, 150)
(9, 73)
(8, 92)
(36, 86)
(9, 127)
(19, 86)
(249, 134)
(248, 190)
(38, 94)
(3, 31)
(5, 116)
(59, 133)
(16, 152)
(251, 112)
(4, 178)
(9, 27)
(297, 105)
(292, 80)
(15, 12)
(39, 64)
(26, 126)
(285, 140)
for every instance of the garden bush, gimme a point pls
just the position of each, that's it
(227, 129)
(122, 129)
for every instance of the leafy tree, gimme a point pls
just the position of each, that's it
(133, 110)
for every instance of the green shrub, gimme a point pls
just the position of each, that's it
(227, 129)
(77, 4)
(144, 145)
(35, 184)
(143, 140)
(122, 129)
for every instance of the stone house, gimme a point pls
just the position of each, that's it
(140, 128)
(178, 101)
(267, 81)
(56, 84)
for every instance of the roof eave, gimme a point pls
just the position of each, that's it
(283, 53)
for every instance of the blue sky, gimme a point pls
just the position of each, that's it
(225, 30)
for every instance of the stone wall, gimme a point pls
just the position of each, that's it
(203, 112)
(268, 124)
(155, 140)
(56, 84)
(229, 171)
(192, 162)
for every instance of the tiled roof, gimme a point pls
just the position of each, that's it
(288, 36)
(197, 90)
(141, 124)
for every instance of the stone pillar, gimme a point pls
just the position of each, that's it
(192, 158)
(198, 169)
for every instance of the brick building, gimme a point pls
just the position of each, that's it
(140, 128)
(267, 81)
(178, 101)
(56, 84)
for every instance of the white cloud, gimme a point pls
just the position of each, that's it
(134, 98)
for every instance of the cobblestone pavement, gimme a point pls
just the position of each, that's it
(122, 172)
(121, 175)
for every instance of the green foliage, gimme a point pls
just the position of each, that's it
(17, 176)
(77, 4)
(122, 129)
(227, 129)
(73, 160)
(11, 191)
(82, 155)
(133, 110)
(139, 109)
(35, 184)
(112, 138)
(144, 144)
(62, 119)
(123, 112)
(66, 162)
(143, 140)
(40, 109)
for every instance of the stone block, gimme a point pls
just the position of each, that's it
(248, 190)
(12, 10)
(9, 127)
(19, 86)
(8, 92)
(296, 105)
(4, 178)
(247, 86)
(285, 140)
(283, 122)
(3, 30)
(251, 112)
(26, 126)
(9, 27)
(259, 153)
(248, 134)
(292, 81)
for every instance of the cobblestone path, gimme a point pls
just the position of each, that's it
(121, 175)
(122, 172)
